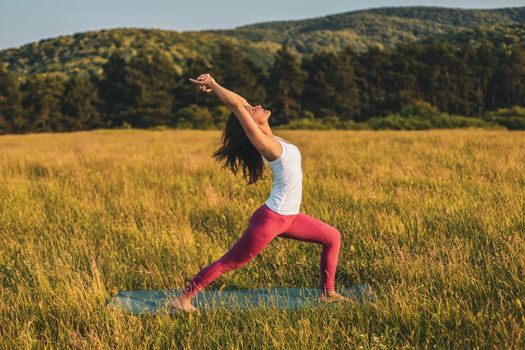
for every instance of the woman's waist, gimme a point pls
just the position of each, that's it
(289, 188)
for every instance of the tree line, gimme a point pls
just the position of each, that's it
(428, 82)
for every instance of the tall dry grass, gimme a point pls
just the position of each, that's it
(433, 221)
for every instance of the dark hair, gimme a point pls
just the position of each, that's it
(237, 151)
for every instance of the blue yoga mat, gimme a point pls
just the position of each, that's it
(154, 301)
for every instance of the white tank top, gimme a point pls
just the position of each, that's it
(287, 183)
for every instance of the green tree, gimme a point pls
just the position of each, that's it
(509, 78)
(11, 113)
(116, 90)
(195, 117)
(401, 78)
(285, 84)
(185, 92)
(220, 115)
(237, 72)
(79, 104)
(371, 83)
(139, 90)
(512, 118)
(43, 101)
(153, 77)
(331, 87)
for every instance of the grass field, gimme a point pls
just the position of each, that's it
(433, 221)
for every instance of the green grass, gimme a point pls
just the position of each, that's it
(433, 221)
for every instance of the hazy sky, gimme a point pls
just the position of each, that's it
(24, 21)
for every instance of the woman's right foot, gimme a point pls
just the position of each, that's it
(332, 297)
(181, 304)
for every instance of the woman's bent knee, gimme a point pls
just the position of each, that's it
(334, 236)
(231, 264)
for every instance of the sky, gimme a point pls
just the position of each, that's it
(25, 21)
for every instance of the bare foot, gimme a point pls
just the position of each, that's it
(181, 304)
(332, 297)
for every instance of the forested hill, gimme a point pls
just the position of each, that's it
(385, 27)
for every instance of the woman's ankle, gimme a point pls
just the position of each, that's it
(184, 298)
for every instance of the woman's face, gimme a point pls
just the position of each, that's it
(259, 114)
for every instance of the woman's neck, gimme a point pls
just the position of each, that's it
(265, 128)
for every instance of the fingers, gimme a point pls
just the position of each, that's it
(202, 85)
(203, 80)
(200, 82)
(206, 77)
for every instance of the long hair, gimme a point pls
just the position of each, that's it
(237, 152)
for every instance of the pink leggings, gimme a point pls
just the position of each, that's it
(264, 225)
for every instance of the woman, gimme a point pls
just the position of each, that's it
(247, 141)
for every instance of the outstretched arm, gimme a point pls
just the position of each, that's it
(208, 88)
(240, 98)
(266, 145)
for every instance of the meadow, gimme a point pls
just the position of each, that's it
(432, 220)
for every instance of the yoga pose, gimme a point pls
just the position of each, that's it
(248, 142)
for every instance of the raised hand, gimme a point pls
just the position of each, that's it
(205, 82)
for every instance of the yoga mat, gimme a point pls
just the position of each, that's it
(153, 301)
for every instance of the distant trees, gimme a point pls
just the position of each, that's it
(232, 68)
(509, 80)
(195, 117)
(11, 113)
(330, 87)
(116, 91)
(80, 104)
(512, 118)
(138, 90)
(285, 85)
(185, 92)
(414, 86)
(238, 72)
(42, 102)
(370, 77)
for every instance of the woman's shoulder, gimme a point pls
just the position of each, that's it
(283, 154)
(281, 139)
(286, 144)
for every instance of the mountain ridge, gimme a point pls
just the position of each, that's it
(383, 9)
(382, 26)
